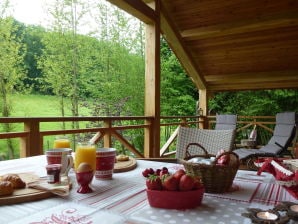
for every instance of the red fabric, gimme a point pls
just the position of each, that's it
(268, 167)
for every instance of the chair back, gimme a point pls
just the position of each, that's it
(284, 133)
(211, 140)
(225, 122)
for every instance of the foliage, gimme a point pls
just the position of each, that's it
(11, 61)
(178, 94)
(253, 103)
(32, 40)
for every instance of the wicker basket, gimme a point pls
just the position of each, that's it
(215, 178)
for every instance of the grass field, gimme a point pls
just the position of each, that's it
(36, 106)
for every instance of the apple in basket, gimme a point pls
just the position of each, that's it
(222, 158)
(179, 190)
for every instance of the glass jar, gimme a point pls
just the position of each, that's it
(53, 173)
(61, 142)
(85, 153)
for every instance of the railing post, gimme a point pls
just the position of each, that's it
(149, 138)
(107, 139)
(31, 145)
(184, 122)
(203, 122)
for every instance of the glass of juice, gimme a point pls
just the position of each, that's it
(85, 153)
(61, 142)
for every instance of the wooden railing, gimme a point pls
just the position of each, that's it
(245, 124)
(31, 133)
(107, 130)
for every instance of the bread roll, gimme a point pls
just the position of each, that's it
(15, 179)
(6, 188)
(122, 158)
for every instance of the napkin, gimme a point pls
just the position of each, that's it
(61, 189)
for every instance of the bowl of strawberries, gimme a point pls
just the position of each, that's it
(177, 190)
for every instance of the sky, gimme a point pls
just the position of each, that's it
(33, 12)
(29, 11)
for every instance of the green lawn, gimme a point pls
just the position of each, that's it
(36, 106)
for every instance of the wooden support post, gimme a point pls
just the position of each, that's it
(32, 145)
(152, 84)
(203, 106)
(107, 139)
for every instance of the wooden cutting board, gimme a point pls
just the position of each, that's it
(26, 194)
(124, 166)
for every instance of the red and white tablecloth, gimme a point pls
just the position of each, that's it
(123, 199)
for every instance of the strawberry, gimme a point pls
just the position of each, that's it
(153, 182)
(170, 183)
(157, 171)
(165, 169)
(163, 172)
(147, 172)
(186, 183)
(179, 173)
(197, 183)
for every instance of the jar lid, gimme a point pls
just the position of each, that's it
(53, 167)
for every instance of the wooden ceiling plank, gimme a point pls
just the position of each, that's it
(193, 13)
(253, 86)
(255, 77)
(241, 27)
(252, 39)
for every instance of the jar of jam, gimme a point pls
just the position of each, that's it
(53, 173)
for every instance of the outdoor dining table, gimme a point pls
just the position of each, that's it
(123, 199)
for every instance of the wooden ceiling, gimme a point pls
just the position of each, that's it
(230, 45)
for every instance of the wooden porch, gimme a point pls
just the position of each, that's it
(223, 46)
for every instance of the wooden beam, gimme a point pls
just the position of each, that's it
(251, 84)
(259, 24)
(253, 81)
(152, 85)
(276, 76)
(137, 9)
(176, 43)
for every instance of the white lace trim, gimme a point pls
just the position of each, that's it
(281, 169)
(259, 164)
(289, 183)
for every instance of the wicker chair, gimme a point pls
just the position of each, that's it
(211, 140)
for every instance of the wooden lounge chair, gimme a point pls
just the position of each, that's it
(283, 135)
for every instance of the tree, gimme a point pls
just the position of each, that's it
(178, 93)
(252, 103)
(60, 61)
(11, 64)
(32, 41)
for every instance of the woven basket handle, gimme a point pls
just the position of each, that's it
(228, 153)
(187, 153)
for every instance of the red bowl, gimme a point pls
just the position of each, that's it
(175, 199)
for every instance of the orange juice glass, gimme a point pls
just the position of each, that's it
(85, 153)
(61, 142)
